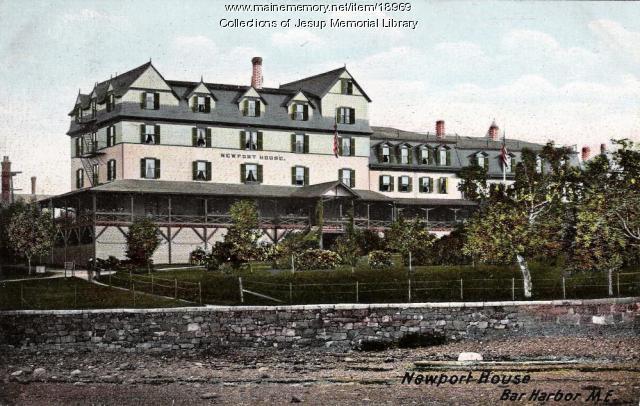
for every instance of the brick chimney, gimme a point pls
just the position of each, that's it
(440, 129)
(603, 149)
(256, 73)
(33, 186)
(493, 132)
(586, 151)
(6, 180)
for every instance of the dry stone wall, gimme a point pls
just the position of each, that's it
(330, 326)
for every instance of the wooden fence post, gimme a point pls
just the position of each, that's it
(290, 293)
(461, 290)
(75, 294)
(564, 290)
(293, 265)
(21, 294)
(409, 289)
(241, 291)
(618, 283)
(513, 289)
(134, 295)
(357, 292)
(175, 288)
(199, 291)
(152, 290)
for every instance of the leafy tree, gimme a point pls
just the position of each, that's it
(473, 182)
(30, 232)
(142, 241)
(624, 192)
(528, 218)
(406, 237)
(369, 240)
(448, 249)
(241, 240)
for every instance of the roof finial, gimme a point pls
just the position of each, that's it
(149, 59)
(202, 78)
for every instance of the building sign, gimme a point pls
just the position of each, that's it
(259, 157)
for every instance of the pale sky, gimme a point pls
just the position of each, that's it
(567, 71)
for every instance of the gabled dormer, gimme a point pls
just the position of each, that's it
(405, 153)
(299, 107)
(442, 155)
(147, 86)
(110, 98)
(426, 155)
(251, 104)
(201, 99)
(384, 152)
(480, 158)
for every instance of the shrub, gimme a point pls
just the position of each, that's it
(197, 256)
(111, 263)
(369, 241)
(317, 259)
(142, 241)
(380, 260)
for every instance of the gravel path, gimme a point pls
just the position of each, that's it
(269, 376)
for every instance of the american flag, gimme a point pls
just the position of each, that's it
(504, 154)
(335, 139)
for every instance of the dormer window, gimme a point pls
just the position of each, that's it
(78, 114)
(251, 108)
(93, 108)
(346, 86)
(444, 156)
(201, 104)
(111, 102)
(345, 115)
(424, 156)
(386, 154)
(405, 157)
(300, 112)
(481, 160)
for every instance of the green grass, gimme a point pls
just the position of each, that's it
(428, 284)
(72, 293)
(18, 272)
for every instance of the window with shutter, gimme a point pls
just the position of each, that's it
(299, 143)
(201, 104)
(149, 168)
(300, 112)
(346, 86)
(345, 115)
(200, 170)
(148, 100)
(111, 102)
(250, 140)
(404, 184)
(386, 154)
(149, 134)
(201, 137)
(96, 174)
(299, 175)
(443, 185)
(111, 170)
(250, 173)
(346, 176)
(442, 157)
(346, 146)
(79, 179)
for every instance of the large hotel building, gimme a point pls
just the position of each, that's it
(182, 152)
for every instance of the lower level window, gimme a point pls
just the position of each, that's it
(111, 169)
(150, 168)
(299, 176)
(386, 184)
(405, 184)
(347, 176)
(201, 170)
(79, 178)
(251, 173)
(442, 185)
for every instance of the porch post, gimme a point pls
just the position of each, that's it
(131, 198)
(368, 214)
(93, 226)
(53, 219)
(206, 211)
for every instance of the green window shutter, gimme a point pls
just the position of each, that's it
(208, 170)
(410, 188)
(430, 185)
(207, 104)
(243, 170)
(257, 108)
(339, 115)
(340, 175)
(293, 143)
(436, 156)
(339, 146)
(208, 138)
(157, 169)
(293, 175)
(380, 183)
(306, 176)
(352, 116)
(143, 97)
(305, 112)
(108, 136)
(292, 106)
(343, 86)
(245, 107)
(391, 181)
(380, 153)
(194, 169)
(410, 155)
(352, 179)
(448, 157)
(260, 173)
(421, 185)
(486, 163)
(305, 147)
(194, 136)
(194, 103)
(352, 146)
(259, 141)
(142, 133)
(142, 172)
(157, 135)
(242, 140)
(156, 101)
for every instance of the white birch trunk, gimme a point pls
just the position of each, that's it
(610, 279)
(526, 275)
(29, 262)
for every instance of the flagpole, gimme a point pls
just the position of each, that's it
(504, 162)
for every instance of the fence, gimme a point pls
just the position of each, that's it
(136, 290)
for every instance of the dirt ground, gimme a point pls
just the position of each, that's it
(604, 371)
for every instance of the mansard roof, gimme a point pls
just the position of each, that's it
(320, 84)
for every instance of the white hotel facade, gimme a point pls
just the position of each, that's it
(183, 152)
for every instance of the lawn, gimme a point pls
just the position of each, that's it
(427, 284)
(72, 293)
(20, 272)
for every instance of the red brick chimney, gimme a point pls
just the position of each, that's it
(6, 180)
(440, 129)
(603, 149)
(33, 186)
(494, 131)
(256, 74)
(586, 151)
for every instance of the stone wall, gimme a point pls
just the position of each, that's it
(341, 326)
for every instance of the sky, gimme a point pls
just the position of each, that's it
(562, 71)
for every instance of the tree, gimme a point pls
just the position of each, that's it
(406, 237)
(142, 241)
(30, 232)
(624, 192)
(528, 218)
(473, 182)
(241, 240)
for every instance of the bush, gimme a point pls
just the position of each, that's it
(317, 259)
(142, 241)
(369, 241)
(197, 256)
(110, 264)
(292, 244)
(380, 260)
